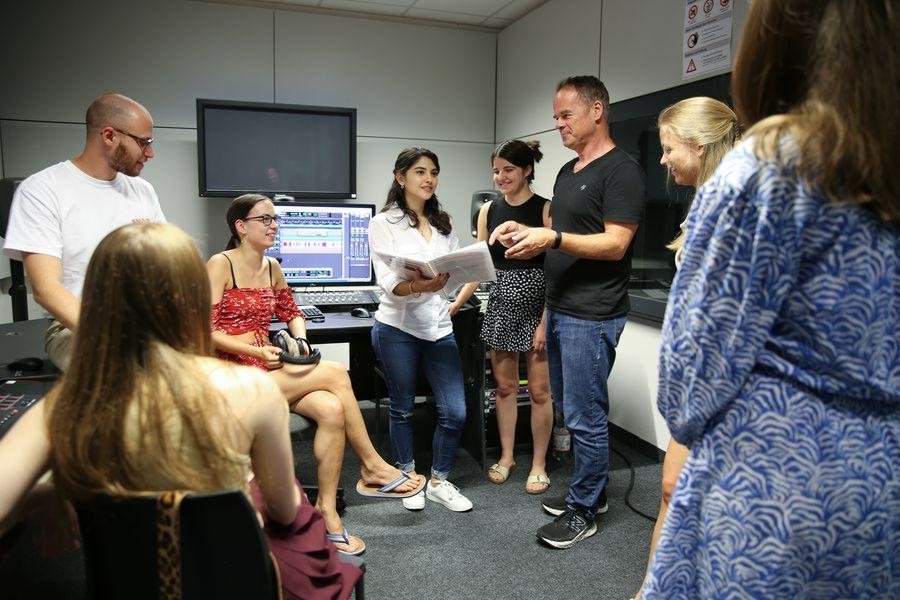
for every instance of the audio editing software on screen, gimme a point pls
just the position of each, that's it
(323, 244)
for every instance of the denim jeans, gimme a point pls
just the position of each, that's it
(401, 355)
(580, 354)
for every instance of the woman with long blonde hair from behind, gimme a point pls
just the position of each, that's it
(695, 135)
(144, 408)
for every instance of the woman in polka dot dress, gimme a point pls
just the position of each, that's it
(514, 320)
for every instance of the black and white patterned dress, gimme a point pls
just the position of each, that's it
(516, 299)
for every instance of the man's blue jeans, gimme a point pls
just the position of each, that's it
(401, 355)
(580, 354)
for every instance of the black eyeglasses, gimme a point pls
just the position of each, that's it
(143, 143)
(264, 219)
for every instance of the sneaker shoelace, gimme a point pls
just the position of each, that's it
(450, 489)
(572, 520)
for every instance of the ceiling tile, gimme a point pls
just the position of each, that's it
(518, 8)
(365, 7)
(491, 14)
(440, 15)
(496, 23)
(298, 2)
(485, 8)
(404, 3)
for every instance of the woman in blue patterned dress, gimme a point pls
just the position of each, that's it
(780, 360)
(695, 135)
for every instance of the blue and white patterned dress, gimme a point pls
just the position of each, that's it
(780, 369)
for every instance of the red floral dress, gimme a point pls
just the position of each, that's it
(250, 309)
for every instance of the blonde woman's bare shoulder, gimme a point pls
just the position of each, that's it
(243, 386)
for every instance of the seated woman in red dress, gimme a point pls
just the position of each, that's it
(247, 288)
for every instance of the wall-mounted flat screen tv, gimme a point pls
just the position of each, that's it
(633, 127)
(298, 151)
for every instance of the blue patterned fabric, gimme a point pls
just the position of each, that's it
(780, 369)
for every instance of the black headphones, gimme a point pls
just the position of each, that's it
(296, 351)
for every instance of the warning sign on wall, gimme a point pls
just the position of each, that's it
(707, 37)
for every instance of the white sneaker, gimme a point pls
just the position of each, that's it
(448, 494)
(416, 502)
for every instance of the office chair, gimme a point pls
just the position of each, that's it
(221, 551)
(17, 291)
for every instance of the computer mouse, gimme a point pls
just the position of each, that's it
(29, 363)
(360, 313)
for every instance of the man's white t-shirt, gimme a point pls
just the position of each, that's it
(63, 212)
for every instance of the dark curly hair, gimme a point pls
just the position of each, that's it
(396, 197)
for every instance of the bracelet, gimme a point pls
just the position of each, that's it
(412, 293)
(557, 241)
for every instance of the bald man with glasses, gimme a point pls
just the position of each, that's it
(61, 213)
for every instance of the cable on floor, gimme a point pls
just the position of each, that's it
(631, 487)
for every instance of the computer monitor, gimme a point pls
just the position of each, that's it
(323, 244)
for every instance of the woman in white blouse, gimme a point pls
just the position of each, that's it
(412, 325)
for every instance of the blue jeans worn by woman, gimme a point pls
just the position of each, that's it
(401, 355)
(580, 354)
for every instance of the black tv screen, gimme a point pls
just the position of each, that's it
(299, 151)
(633, 127)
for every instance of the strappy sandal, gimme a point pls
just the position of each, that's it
(540, 478)
(501, 472)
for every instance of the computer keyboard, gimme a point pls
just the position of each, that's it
(311, 313)
(336, 298)
(12, 406)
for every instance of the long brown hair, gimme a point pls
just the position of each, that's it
(705, 122)
(825, 74)
(397, 198)
(144, 320)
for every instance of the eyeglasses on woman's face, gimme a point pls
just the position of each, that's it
(266, 220)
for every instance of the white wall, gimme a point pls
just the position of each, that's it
(556, 40)
(411, 84)
(635, 48)
(641, 45)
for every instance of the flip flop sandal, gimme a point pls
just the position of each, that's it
(501, 471)
(540, 478)
(388, 490)
(344, 538)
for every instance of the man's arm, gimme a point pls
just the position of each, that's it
(609, 245)
(45, 274)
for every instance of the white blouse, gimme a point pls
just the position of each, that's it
(426, 317)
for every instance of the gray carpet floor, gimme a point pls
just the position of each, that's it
(492, 551)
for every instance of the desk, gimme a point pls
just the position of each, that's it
(26, 338)
(341, 328)
(21, 339)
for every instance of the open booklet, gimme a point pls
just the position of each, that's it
(472, 263)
